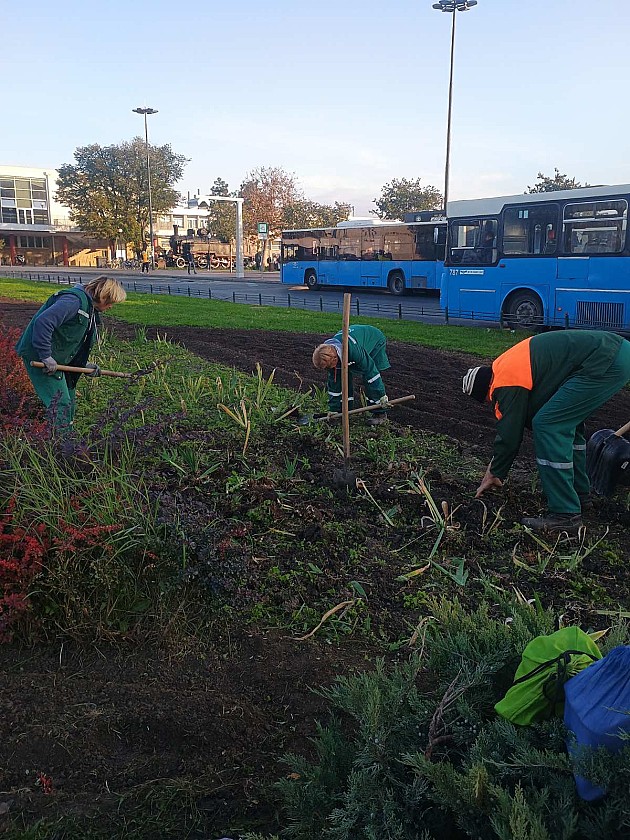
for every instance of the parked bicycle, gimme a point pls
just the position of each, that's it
(131, 264)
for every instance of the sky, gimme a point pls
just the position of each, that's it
(344, 95)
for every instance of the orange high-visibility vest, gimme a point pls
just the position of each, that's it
(510, 369)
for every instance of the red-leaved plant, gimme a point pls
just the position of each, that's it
(20, 410)
(21, 555)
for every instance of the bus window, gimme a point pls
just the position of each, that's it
(529, 230)
(350, 244)
(328, 245)
(473, 242)
(371, 244)
(289, 253)
(425, 242)
(595, 227)
(399, 243)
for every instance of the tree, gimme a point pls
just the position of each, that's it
(222, 214)
(310, 214)
(106, 188)
(558, 182)
(268, 191)
(404, 195)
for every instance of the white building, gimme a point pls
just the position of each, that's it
(34, 228)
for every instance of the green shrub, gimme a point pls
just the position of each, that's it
(418, 748)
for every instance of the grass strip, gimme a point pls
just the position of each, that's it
(174, 311)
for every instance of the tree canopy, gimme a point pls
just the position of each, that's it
(107, 189)
(559, 182)
(406, 195)
(310, 214)
(222, 214)
(268, 191)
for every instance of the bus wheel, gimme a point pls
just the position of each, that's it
(396, 283)
(310, 281)
(523, 310)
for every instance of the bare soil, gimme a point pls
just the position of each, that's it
(101, 723)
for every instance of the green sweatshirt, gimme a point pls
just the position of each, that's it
(554, 357)
(366, 356)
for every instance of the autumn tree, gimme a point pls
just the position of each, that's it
(406, 195)
(106, 187)
(558, 182)
(267, 192)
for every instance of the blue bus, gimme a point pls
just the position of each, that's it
(369, 254)
(543, 259)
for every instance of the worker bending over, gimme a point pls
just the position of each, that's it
(550, 383)
(63, 332)
(367, 356)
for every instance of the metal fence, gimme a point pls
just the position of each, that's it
(402, 310)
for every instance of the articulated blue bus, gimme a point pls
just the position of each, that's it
(556, 259)
(373, 254)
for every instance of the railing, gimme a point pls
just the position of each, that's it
(378, 308)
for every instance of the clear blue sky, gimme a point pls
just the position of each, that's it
(346, 96)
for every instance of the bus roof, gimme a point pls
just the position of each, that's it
(493, 206)
(365, 224)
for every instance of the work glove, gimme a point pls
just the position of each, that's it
(50, 364)
(96, 371)
(384, 400)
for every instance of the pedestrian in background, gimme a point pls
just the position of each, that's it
(144, 259)
(189, 257)
(550, 383)
(367, 356)
(63, 332)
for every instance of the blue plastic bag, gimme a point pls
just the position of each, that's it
(597, 709)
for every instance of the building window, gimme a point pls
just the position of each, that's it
(9, 215)
(29, 195)
(33, 241)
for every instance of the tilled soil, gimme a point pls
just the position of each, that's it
(102, 723)
(434, 376)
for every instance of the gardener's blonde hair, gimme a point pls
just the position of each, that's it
(106, 290)
(323, 355)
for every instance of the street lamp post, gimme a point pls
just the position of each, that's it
(451, 6)
(145, 112)
(120, 249)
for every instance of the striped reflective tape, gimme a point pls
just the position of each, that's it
(555, 465)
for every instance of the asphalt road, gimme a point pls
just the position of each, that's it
(257, 289)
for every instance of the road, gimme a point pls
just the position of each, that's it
(257, 289)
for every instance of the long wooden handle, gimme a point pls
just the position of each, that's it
(623, 429)
(88, 371)
(365, 408)
(345, 421)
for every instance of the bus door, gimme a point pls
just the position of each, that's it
(372, 250)
(328, 257)
(472, 280)
(349, 264)
(426, 268)
(592, 290)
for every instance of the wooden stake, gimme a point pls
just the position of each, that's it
(345, 420)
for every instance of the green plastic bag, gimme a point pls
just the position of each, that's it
(547, 663)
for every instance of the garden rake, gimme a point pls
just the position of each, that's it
(90, 371)
(306, 419)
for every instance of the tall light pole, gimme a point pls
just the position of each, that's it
(149, 111)
(451, 6)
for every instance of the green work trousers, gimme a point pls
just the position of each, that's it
(558, 429)
(53, 391)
